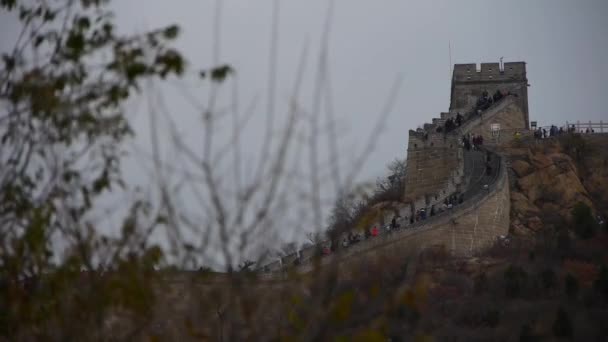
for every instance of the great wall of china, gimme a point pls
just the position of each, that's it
(438, 166)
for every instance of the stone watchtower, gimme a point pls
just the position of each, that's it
(469, 81)
(435, 159)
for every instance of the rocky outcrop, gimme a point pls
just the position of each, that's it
(594, 167)
(549, 182)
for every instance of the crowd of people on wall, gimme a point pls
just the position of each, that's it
(398, 222)
(354, 237)
(472, 142)
(451, 124)
(553, 131)
(484, 102)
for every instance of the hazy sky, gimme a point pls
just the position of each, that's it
(564, 43)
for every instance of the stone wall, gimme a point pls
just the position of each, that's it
(434, 160)
(434, 166)
(469, 82)
(508, 114)
(468, 229)
(466, 232)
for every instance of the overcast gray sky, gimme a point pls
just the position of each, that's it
(563, 42)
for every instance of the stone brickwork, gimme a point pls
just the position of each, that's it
(469, 81)
(510, 119)
(507, 114)
(465, 232)
(434, 166)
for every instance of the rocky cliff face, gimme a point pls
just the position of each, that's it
(550, 177)
(595, 170)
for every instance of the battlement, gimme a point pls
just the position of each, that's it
(489, 72)
(471, 81)
(425, 139)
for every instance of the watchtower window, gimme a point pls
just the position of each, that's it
(415, 145)
(490, 76)
(490, 69)
(468, 77)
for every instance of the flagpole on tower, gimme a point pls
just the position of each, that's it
(450, 56)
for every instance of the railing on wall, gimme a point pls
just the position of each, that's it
(597, 127)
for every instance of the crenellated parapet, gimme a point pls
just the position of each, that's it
(489, 72)
(435, 167)
(430, 139)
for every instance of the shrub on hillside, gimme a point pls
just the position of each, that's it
(491, 318)
(527, 335)
(562, 327)
(480, 284)
(391, 187)
(584, 223)
(474, 316)
(601, 283)
(550, 194)
(585, 272)
(548, 279)
(571, 285)
(515, 281)
(575, 146)
(563, 242)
